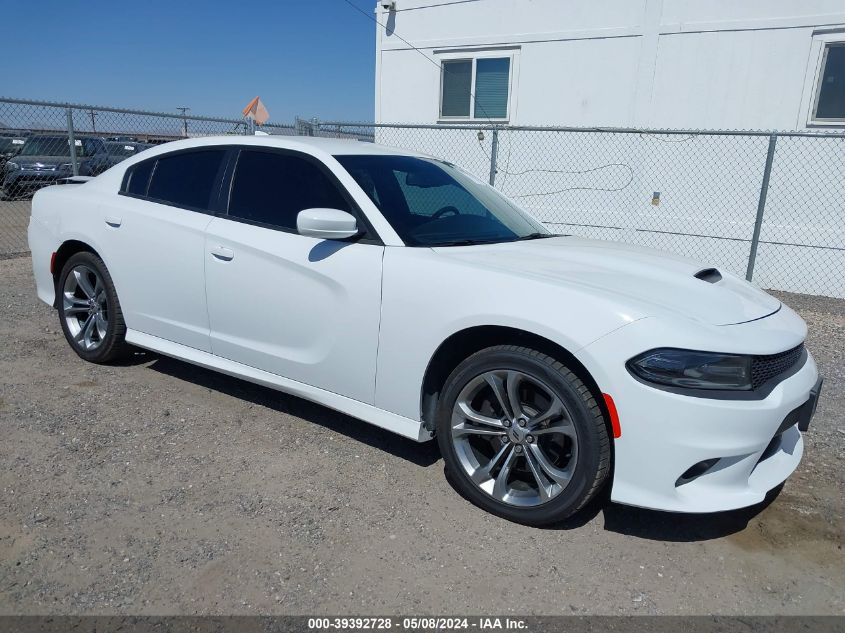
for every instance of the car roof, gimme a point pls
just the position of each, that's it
(62, 135)
(309, 144)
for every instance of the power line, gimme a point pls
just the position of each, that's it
(369, 17)
(577, 172)
(490, 121)
(439, 66)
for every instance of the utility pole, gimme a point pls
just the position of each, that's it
(93, 120)
(182, 111)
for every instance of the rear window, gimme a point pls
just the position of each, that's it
(187, 179)
(139, 177)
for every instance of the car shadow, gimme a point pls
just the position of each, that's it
(422, 454)
(626, 520)
(136, 357)
(654, 525)
(674, 527)
(325, 249)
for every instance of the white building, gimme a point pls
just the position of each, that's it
(644, 64)
(715, 64)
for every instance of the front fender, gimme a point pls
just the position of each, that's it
(427, 298)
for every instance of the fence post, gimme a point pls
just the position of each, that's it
(761, 207)
(494, 152)
(304, 127)
(72, 142)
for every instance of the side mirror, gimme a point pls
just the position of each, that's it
(326, 224)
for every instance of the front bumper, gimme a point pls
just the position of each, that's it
(665, 434)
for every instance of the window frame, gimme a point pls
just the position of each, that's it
(214, 197)
(821, 42)
(510, 53)
(819, 83)
(368, 234)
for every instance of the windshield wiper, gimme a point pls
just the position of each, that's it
(534, 236)
(466, 242)
(497, 240)
(460, 243)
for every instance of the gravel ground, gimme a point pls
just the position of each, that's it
(14, 218)
(155, 487)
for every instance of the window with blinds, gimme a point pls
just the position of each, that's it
(457, 79)
(491, 88)
(475, 88)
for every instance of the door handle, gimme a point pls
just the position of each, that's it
(113, 221)
(223, 254)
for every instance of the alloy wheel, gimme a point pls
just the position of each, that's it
(514, 437)
(85, 307)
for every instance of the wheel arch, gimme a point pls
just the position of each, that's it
(466, 342)
(68, 249)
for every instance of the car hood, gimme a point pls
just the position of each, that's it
(46, 161)
(657, 281)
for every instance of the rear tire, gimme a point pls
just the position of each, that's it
(522, 436)
(89, 310)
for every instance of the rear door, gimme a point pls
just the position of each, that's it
(156, 235)
(299, 307)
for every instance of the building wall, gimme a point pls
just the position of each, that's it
(639, 63)
(717, 64)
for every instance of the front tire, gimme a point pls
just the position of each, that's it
(89, 310)
(522, 436)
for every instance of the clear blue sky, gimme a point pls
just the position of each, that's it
(303, 57)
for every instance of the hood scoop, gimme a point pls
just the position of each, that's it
(710, 275)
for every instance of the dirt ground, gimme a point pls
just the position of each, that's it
(14, 218)
(155, 487)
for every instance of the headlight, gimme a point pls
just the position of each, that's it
(11, 166)
(693, 370)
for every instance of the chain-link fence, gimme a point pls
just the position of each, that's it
(43, 143)
(768, 206)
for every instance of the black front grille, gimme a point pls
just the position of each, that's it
(764, 368)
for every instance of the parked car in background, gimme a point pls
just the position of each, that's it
(9, 146)
(121, 150)
(403, 291)
(44, 159)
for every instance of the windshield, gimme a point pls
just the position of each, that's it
(432, 203)
(10, 145)
(56, 146)
(122, 149)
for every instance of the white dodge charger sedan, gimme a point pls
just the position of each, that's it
(400, 290)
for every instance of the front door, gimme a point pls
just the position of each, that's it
(299, 307)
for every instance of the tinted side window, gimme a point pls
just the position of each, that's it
(186, 179)
(139, 177)
(272, 188)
